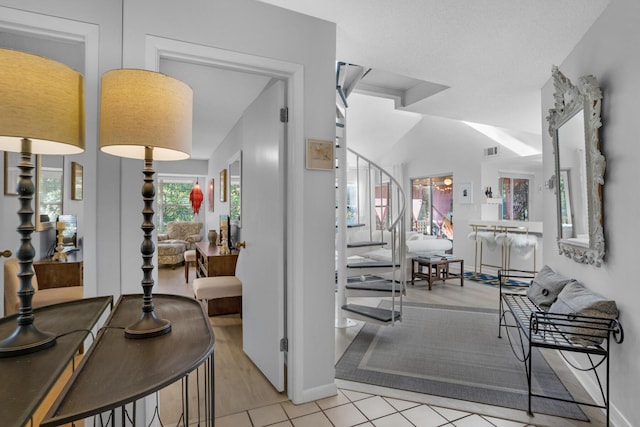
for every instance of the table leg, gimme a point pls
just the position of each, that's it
(461, 272)
(413, 271)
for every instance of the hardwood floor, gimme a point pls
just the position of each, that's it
(239, 384)
(243, 396)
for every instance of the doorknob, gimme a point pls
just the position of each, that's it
(242, 244)
(6, 253)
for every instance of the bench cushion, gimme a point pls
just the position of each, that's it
(575, 299)
(545, 287)
(208, 288)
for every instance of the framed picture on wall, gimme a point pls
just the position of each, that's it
(76, 181)
(210, 194)
(223, 185)
(320, 155)
(465, 193)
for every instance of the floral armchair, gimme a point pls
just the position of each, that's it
(187, 232)
(180, 236)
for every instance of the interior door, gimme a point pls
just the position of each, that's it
(261, 262)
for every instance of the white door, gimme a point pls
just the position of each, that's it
(261, 263)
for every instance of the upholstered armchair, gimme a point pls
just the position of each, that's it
(179, 237)
(41, 297)
(188, 232)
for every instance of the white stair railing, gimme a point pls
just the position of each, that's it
(379, 202)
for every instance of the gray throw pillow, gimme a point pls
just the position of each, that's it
(576, 299)
(545, 287)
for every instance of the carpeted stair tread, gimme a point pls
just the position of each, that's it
(382, 285)
(365, 244)
(371, 264)
(375, 313)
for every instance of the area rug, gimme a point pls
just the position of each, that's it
(451, 352)
(491, 280)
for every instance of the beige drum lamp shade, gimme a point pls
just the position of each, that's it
(41, 112)
(41, 100)
(140, 109)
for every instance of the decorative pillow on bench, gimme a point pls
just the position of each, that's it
(578, 300)
(546, 286)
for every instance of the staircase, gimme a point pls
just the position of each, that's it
(370, 214)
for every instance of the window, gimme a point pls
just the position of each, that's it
(173, 200)
(514, 192)
(50, 189)
(432, 205)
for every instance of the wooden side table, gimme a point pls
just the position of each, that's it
(59, 274)
(437, 268)
(210, 263)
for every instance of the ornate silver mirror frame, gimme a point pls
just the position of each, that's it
(571, 100)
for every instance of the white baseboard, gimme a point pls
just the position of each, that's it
(317, 393)
(617, 419)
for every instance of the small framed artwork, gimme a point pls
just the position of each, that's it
(11, 173)
(320, 155)
(76, 181)
(223, 185)
(210, 195)
(465, 193)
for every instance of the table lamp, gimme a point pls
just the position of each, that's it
(146, 115)
(41, 112)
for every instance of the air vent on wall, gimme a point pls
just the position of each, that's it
(491, 151)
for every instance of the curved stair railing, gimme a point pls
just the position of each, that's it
(368, 198)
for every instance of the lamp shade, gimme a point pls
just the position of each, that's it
(41, 100)
(140, 109)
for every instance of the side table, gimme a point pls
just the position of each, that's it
(434, 268)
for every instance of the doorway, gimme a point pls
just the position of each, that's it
(276, 310)
(432, 205)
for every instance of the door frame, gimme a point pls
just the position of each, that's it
(293, 76)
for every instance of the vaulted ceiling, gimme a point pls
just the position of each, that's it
(492, 57)
(481, 61)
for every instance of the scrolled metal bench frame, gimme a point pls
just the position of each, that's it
(537, 328)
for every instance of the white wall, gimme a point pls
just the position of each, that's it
(609, 52)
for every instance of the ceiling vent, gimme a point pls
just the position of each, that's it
(491, 151)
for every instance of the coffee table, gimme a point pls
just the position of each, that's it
(436, 268)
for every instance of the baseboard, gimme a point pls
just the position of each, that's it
(316, 393)
(617, 419)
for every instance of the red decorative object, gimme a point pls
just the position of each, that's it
(196, 197)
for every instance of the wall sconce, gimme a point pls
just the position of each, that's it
(41, 112)
(550, 183)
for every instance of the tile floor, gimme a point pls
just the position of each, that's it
(352, 408)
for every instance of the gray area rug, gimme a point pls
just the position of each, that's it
(451, 352)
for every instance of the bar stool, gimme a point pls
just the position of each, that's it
(189, 257)
(521, 243)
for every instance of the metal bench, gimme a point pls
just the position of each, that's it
(534, 327)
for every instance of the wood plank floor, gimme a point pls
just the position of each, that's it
(239, 384)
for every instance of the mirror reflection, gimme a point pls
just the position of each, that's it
(235, 189)
(573, 180)
(49, 184)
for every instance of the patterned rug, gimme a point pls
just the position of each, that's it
(452, 352)
(491, 280)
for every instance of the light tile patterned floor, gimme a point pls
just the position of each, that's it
(353, 408)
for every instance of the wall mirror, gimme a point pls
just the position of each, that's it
(574, 125)
(48, 192)
(235, 189)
